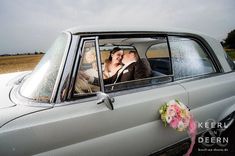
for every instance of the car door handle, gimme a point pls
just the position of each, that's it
(100, 101)
(104, 98)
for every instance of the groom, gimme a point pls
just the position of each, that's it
(133, 68)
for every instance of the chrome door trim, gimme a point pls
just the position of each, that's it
(99, 64)
(60, 72)
(76, 64)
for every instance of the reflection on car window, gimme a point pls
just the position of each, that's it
(40, 84)
(87, 75)
(189, 58)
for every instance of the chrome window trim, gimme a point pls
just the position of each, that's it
(171, 66)
(100, 71)
(67, 74)
(74, 68)
(79, 52)
(148, 78)
(60, 72)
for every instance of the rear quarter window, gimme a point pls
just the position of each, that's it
(189, 58)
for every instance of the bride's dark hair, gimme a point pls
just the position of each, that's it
(115, 49)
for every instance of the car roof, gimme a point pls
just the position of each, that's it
(126, 28)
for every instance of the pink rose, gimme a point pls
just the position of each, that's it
(174, 123)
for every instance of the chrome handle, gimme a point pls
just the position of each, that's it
(100, 101)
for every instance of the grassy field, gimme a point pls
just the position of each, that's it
(15, 63)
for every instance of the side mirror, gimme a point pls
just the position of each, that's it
(104, 98)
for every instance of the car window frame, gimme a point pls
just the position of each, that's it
(142, 35)
(80, 53)
(200, 40)
(169, 50)
(206, 47)
(203, 45)
(207, 50)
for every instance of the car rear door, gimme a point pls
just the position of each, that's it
(210, 91)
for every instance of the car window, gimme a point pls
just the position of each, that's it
(156, 61)
(139, 64)
(40, 84)
(87, 79)
(159, 57)
(106, 58)
(189, 58)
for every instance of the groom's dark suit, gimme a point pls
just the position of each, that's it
(134, 71)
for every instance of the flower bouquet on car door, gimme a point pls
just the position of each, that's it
(177, 115)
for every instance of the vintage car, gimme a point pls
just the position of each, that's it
(53, 111)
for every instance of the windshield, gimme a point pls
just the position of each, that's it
(39, 85)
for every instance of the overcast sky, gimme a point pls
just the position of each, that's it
(32, 25)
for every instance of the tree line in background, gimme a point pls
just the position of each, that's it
(35, 53)
(229, 42)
